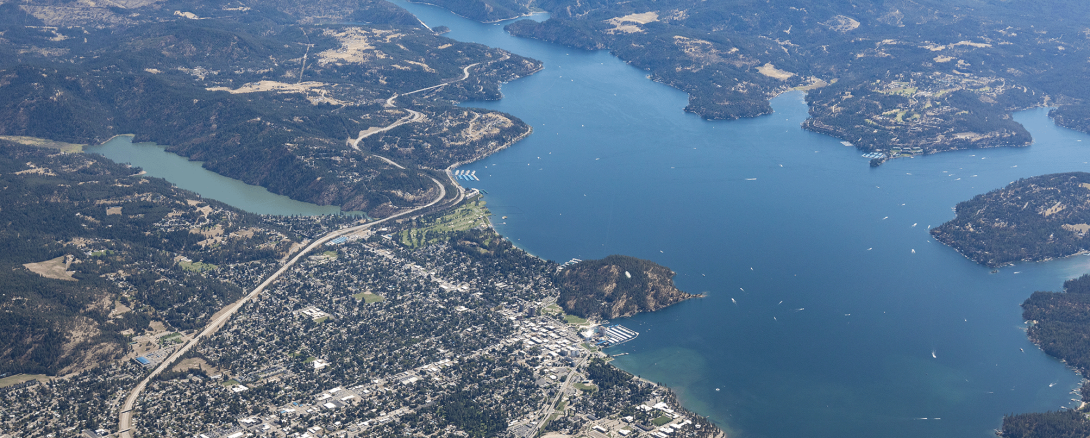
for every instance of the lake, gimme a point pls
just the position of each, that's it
(830, 310)
(189, 175)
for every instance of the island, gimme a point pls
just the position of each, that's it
(1032, 219)
(617, 286)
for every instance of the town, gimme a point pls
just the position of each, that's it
(368, 336)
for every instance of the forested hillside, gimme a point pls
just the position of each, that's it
(898, 77)
(616, 286)
(1031, 219)
(1060, 325)
(268, 95)
(91, 253)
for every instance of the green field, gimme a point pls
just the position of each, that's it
(231, 382)
(198, 266)
(572, 319)
(467, 216)
(661, 420)
(173, 337)
(330, 254)
(20, 378)
(368, 297)
(550, 419)
(580, 386)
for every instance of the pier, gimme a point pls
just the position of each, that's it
(616, 335)
(466, 175)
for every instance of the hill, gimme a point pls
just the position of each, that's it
(92, 254)
(266, 94)
(617, 286)
(1032, 219)
(1060, 325)
(900, 77)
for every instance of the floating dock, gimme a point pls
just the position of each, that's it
(566, 264)
(618, 334)
(466, 175)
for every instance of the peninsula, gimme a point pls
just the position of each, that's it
(1032, 219)
(1059, 325)
(267, 94)
(894, 78)
(617, 286)
(144, 310)
(1035, 219)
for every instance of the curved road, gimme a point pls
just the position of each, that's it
(413, 116)
(125, 416)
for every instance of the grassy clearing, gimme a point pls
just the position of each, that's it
(231, 382)
(332, 254)
(322, 319)
(588, 388)
(20, 378)
(562, 405)
(468, 215)
(310, 359)
(661, 420)
(368, 297)
(171, 338)
(67, 148)
(198, 267)
(550, 419)
(104, 252)
(572, 319)
(53, 268)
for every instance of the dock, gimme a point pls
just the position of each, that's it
(466, 175)
(617, 334)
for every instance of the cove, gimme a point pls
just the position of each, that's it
(189, 175)
(850, 321)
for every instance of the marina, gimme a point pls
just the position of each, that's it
(705, 218)
(466, 175)
(566, 264)
(616, 335)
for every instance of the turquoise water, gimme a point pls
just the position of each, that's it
(189, 175)
(830, 310)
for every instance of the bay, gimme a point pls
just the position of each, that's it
(850, 320)
(189, 175)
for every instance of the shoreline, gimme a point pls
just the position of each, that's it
(470, 19)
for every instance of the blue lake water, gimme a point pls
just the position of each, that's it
(189, 175)
(830, 310)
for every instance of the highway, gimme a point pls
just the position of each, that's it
(126, 414)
